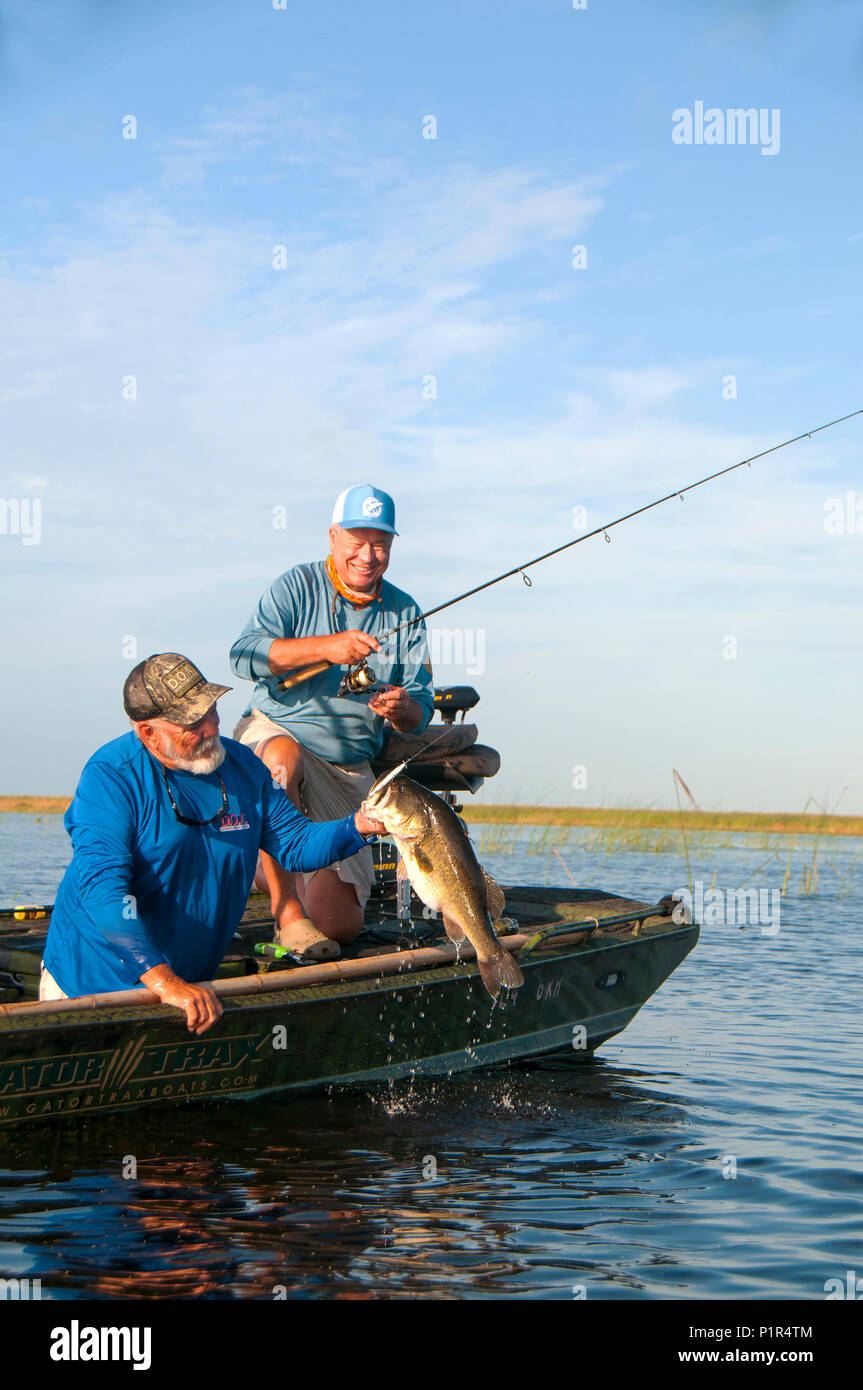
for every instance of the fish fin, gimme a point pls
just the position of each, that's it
(422, 860)
(402, 869)
(499, 970)
(453, 930)
(495, 896)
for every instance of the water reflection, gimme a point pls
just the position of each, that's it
(327, 1197)
(612, 1175)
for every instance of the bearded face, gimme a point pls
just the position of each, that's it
(209, 755)
(194, 748)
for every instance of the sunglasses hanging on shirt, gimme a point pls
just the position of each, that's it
(190, 820)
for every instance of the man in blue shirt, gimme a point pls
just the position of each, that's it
(166, 825)
(316, 741)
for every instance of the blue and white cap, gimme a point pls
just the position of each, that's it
(364, 505)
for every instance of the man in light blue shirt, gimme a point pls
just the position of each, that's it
(316, 741)
(166, 825)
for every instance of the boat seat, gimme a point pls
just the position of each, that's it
(462, 772)
(445, 757)
(435, 742)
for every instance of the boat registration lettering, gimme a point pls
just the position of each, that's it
(549, 989)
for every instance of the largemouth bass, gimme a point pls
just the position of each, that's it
(438, 858)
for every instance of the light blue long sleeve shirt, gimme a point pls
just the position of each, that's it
(143, 889)
(303, 603)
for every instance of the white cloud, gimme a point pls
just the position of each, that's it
(257, 387)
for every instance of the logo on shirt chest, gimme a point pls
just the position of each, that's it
(234, 822)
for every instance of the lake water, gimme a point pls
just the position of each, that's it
(712, 1150)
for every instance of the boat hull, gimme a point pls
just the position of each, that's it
(433, 1022)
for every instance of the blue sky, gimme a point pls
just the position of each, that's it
(557, 387)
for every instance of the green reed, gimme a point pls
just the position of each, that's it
(626, 835)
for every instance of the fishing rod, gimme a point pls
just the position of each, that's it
(361, 679)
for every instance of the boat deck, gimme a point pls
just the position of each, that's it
(528, 909)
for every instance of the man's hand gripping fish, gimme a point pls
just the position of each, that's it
(438, 858)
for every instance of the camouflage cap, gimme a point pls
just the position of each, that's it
(169, 686)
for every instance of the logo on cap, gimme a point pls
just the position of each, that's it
(364, 505)
(181, 678)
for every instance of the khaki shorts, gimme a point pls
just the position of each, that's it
(328, 791)
(48, 986)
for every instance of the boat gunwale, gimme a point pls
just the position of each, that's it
(558, 948)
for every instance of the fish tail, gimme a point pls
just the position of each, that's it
(454, 931)
(499, 970)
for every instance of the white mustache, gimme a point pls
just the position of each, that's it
(210, 751)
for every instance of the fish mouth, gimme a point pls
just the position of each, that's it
(373, 795)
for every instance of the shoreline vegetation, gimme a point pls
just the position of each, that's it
(628, 818)
(36, 805)
(620, 818)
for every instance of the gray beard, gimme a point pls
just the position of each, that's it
(207, 761)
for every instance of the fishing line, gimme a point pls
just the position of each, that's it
(603, 530)
(394, 772)
(360, 678)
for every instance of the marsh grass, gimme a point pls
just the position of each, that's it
(36, 805)
(609, 831)
(678, 782)
(809, 881)
(649, 818)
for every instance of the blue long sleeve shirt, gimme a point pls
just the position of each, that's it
(303, 603)
(143, 889)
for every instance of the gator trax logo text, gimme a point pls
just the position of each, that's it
(128, 1074)
(372, 506)
(77, 1343)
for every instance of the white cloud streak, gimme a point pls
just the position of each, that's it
(258, 386)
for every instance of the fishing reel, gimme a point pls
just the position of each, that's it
(359, 680)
